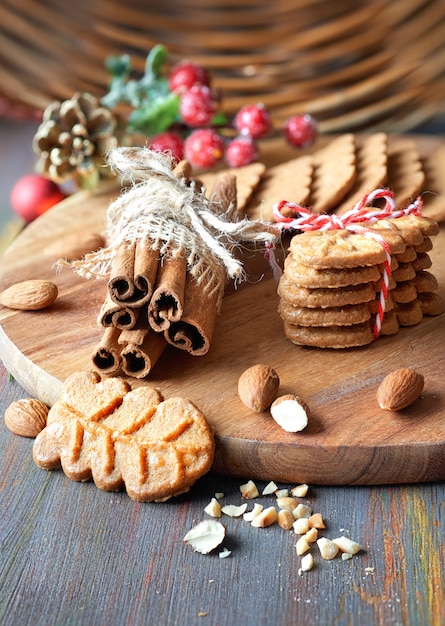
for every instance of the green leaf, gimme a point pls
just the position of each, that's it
(118, 67)
(156, 59)
(156, 117)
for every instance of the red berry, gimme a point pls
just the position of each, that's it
(204, 148)
(197, 106)
(33, 194)
(186, 74)
(241, 151)
(300, 131)
(253, 120)
(168, 142)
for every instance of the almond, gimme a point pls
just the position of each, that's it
(258, 387)
(290, 412)
(26, 417)
(29, 295)
(399, 389)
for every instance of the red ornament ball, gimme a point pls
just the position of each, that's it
(168, 142)
(33, 194)
(253, 120)
(203, 148)
(300, 131)
(241, 151)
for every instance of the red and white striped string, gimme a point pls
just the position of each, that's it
(355, 221)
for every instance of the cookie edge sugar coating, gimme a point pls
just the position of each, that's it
(117, 459)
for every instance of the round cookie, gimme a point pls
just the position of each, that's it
(424, 281)
(404, 292)
(431, 303)
(390, 325)
(409, 313)
(408, 256)
(425, 246)
(336, 249)
(332, 316)
(311, 277)
(404, 271)
(331, 336)
(374, 305)
(422, 262)
(323, 296)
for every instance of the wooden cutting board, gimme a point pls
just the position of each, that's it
(349, 439)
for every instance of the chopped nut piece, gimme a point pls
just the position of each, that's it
(257, 508)
(269, 489)
(302, 510)
(300, 491)
(282, 493)
(347, 545)
(290, 412)
(267, 517)
(302, 546)
(328, 549)
(205, 536)
(316, 521)
(224, 553)
(234, 511)
(311, 535)
(285, 519)
(301, 525)
(213, 508)
(307, 562)
(345, 556)
(219, 495)
(249, 490)
(287, 503)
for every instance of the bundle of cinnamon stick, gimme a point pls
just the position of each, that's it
(154, 299)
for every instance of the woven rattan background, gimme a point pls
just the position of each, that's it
(352, 64)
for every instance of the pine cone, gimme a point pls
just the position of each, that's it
(72, 139)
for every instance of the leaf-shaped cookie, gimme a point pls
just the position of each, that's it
(123, 437)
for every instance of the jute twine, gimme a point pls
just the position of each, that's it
(176, 218)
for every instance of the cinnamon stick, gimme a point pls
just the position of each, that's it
(107, 354)
(112, 314)
(194, 331)
(139, 358)
(167, 301)
(133, 273)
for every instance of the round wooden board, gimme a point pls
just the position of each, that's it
(349, 439)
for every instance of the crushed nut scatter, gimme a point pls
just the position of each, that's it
(287, 512)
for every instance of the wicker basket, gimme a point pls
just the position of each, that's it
(352, 64)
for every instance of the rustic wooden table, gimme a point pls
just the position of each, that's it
(72, 554)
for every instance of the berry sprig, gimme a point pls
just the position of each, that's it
(180, 113)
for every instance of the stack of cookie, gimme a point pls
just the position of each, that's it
(330, 289)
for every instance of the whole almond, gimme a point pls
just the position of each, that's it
(26, 417)
(399, 389)
(258, 387)
(29, 295)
